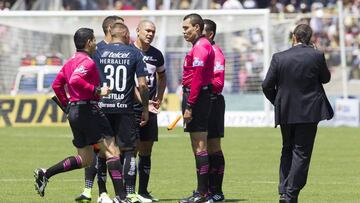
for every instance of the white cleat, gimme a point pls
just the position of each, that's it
(104, 198)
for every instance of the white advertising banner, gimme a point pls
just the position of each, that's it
(232, 118)
(347, 112)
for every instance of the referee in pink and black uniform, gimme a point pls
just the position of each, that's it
(88, 123)
(196, 105)
(216, 119)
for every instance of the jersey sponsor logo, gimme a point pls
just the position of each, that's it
(197, 62)
(80, 69)
(111, 54)
(218, 66)
(149, 58)
(114, 61)
(112, 105)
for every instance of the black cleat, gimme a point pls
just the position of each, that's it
(40, 181)
(83, 199)
(118, 200)
(218, 197)
(146, 198)
(196, 197)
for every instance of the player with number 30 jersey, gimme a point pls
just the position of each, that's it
(118, 64)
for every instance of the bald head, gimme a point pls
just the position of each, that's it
(145, 23)
(120, 33)
(145, 34)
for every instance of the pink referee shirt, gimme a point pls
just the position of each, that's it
(219, 70)
(198, 68)
(81, 77)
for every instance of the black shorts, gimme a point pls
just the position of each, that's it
(124, 127)
(149, 132)
(216, 119)
(200, 112)
(88, 124)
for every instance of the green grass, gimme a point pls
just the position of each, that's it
(251, 173)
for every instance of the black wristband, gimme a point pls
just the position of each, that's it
(97, 90)
(188, 106)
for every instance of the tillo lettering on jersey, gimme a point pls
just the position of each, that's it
(114, 96)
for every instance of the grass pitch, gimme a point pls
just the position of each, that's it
(251, 173)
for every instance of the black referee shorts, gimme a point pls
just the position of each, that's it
(216, 119)
(88, 124)
(200, 111)
(149, 132)
(124, 127)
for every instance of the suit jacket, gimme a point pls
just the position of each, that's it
(293, 84)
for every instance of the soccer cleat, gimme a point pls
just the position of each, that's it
(147, 198)
(144, 198)
(218, 197)
(196, 197)
(118, 200)
(133, 198)
(83, 199)
(40, 181)
(104, 198)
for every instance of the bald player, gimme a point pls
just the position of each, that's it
(156, 80)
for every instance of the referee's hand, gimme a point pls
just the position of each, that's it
(187, 115)
(105, 91)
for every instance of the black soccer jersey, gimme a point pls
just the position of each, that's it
(118, 64)
(100, 45)
(154, 60)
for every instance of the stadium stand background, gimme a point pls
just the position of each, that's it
(244, 63)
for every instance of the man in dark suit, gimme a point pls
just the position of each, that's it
(293, 85)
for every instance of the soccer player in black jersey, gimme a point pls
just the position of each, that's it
(98, 167)
(118, 64)
(156, 80)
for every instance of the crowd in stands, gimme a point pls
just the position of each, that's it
(276, 6)
(320, 14)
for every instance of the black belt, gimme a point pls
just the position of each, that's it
(214, 96)
(83, 102)
(187, 89)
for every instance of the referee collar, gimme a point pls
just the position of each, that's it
(83, 51)
(197, 39)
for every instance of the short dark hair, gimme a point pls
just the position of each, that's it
(195, 19)
(81, 37)
(303, 33)
(210, 26)
(108, 21)
(122, 29)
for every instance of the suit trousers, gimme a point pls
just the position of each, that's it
(298, 141)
